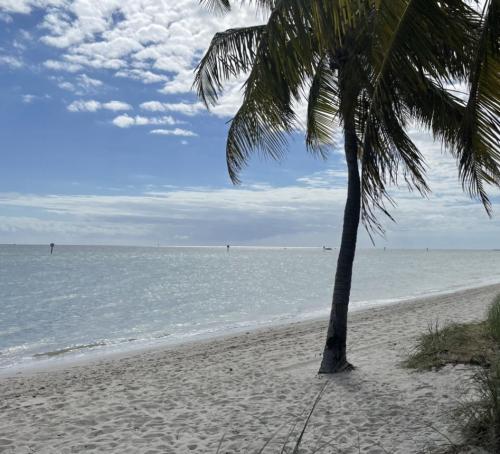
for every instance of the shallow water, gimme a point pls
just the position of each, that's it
(87, 300)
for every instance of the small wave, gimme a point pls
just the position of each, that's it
(77, 348)
(73, 348)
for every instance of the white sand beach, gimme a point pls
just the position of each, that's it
(244, 389)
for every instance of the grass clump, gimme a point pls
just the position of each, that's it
(481, 417)
(453, 344)
(476, 344)
(493, 320)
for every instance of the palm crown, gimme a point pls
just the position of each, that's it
(383, 63)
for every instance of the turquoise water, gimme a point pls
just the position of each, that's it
(88, 300)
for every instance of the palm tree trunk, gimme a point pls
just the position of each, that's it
(334, 354)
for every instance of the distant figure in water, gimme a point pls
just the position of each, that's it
(51, 248)
(227, 247)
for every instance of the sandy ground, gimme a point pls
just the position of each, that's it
(245, 389)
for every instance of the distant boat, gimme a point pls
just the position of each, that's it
(327, 248)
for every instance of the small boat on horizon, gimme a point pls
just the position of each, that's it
(327, 248)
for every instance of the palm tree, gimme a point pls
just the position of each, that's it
(372, 68)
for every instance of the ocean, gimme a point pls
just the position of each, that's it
(85, 301)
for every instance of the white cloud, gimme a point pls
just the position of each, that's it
(93, 106)
(88, 82)
(180, 107)
(65, 85)
(205, 215)
(230, 101)
(227, 106)
(113, 49)
(11, 61)
(174, 132)
(146, 77)
(28, 99)
(31, 229)
(181, 83)
(150, 41)
(126, 121)
(62, 66)
(153, 41)
(153, 106)
(26, 6)
(308, 212)
(81, 84)
(116, 106)
(22, 40)
(4, 17)
(326, 178)
(85, 106)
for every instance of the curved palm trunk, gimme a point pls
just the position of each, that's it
(334, 354)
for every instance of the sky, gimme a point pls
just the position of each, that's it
(104, 142)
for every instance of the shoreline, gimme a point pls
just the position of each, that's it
(40, 363)
(248, 387)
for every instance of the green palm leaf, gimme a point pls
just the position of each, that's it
(479, 142)
(217, 6)
(416, 45)
(322, 108)
(265, 118)
(230, 54)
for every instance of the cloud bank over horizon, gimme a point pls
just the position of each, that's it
(306, 213)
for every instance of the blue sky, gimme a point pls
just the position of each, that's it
(104, 142)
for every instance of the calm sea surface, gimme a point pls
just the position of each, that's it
(91, 300)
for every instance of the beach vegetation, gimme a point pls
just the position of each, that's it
(473, 344)
(479, 414)
(493, 319)
(453, 344)
(370, 69)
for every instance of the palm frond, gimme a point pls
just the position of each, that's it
(230, 54)
(253, 129)
(217, 6)
(343, 14)
(435, 108)
(293, 25)
(478, 149)
(389, 154)
(330, 21)
(322, 108)
(265, 118)
(284, 61)
(414, 42)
